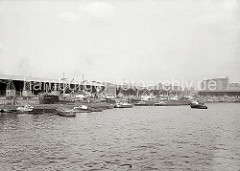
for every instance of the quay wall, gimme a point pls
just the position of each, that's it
(219, 96)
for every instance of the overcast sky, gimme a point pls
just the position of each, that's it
(120, 39)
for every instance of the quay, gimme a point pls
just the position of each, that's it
(48, 95)
(52, 108)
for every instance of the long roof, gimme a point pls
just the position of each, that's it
(51, 80)
(219, 91)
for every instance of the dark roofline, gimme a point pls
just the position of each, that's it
(219, 91)
(221, 78)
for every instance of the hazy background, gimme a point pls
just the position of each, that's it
(115, 40)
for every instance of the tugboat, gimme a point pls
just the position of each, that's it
(198, 105)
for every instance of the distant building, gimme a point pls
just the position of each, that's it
(234, 86)
(14, 85)
(172, 87)
(159, 86)
(176, 88)
(110, 90)
(215, 84)
(191, 89)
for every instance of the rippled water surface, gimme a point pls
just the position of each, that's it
(141, 138)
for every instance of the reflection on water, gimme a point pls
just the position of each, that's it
(142, 138)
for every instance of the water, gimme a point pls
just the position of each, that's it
(142, 138)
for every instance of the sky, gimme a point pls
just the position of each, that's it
(117, 40)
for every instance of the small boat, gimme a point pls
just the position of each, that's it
(8, 110)
(123, 105)
(198, 105)
(82, 109)
(66, 112)
(95, 109)
(29, 106)
(141, 103)
(26, 108)
(161, 103)
(111, 106)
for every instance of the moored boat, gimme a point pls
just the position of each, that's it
(26, 108)
(29, 106)
(123, 105)
(82, 109)
(140, 103)
(66, 112)
(161, 103)
(95, 109)
(8, 110)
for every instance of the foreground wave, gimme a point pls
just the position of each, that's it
(140, 138)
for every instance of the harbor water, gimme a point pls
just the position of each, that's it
(139, 138)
